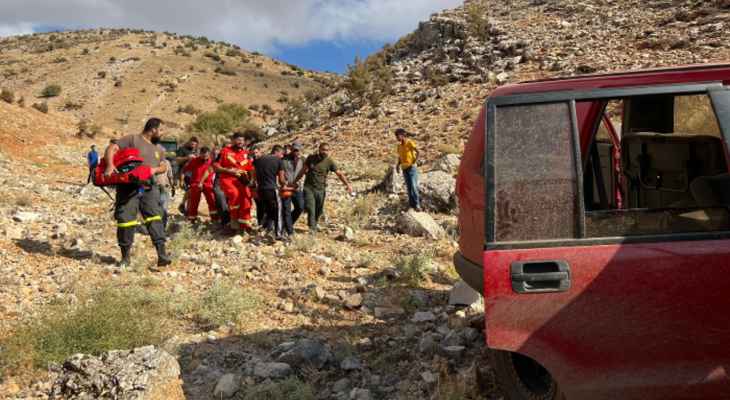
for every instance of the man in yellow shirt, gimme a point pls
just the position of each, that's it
(407, 157)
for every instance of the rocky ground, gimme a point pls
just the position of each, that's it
(368, 309)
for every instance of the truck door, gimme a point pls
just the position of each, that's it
(616, 303)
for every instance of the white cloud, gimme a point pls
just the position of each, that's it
(253, 24)
(18, 28)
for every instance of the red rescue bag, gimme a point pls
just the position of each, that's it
(130, 170)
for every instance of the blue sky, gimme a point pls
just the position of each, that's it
(329, 56)
(314, 34)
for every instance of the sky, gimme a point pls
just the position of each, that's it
(324, 35)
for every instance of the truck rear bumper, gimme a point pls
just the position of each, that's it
(471, 272)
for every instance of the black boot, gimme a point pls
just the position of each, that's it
(163, 259)
(126, 260)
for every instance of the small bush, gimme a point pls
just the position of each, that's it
(85, 52)
(101, 74)
(254, 107)
(213, 56)
(60, 60)
(266, 109)
(107, 319)
(222, 121)
(415, 269)
(224, 303)
(51, 91)
(71, 106)
(42, 107)
(289, 389)
(225, 71)
(362, 209)
(7, 96)
(188, 109)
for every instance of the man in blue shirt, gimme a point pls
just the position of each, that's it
(92, 159)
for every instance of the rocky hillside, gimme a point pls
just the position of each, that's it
(118, 78)
(439, 76)
(371, 307)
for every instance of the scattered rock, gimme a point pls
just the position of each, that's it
(360, 394)
(426, 316)
(453, 352)
(146, 373)
(272, 370)
(26, 217)
(387, 312)
(341, 385)
(351, 364)
(449, 164)
(227, 386)
(438, 191)
(463, 295)
(353, 301)
(420, 224)
(304, 352)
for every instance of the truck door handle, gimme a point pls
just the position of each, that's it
(548, 276)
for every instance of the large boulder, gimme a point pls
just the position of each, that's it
(392, 183)
(448, 163)
(416, 223)
(438, 191)
(305, 352)
(146, 373)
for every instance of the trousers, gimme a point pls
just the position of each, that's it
(314, 203)
(239, 201)
(271, 211)
(194, 201)
(129, 203)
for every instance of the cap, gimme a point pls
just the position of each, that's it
(297, 146)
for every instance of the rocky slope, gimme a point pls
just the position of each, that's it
(350, 315)
(118, 78)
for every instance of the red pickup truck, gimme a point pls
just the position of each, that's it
(594, 217)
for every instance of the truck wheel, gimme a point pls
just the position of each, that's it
(521, 378)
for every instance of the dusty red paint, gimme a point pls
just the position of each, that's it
(641, 321)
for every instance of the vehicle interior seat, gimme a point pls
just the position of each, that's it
(661, 166)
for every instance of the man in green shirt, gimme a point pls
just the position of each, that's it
(317, 167)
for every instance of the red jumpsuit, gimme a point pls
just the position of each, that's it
(197, 168)
(237, 192)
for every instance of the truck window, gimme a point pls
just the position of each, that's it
(535, 182)
(671, 174)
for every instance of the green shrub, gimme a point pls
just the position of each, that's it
(42, 107)
(289, 389)
(370, 80)
(222, 121)
(51, 91)
(188, 109)
(362, 209)
(415, 269)
(106, 319)
(225, 303)
(213, 56)
(477, 21)
(225, 71)
(7, 96)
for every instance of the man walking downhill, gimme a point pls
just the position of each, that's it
(293, 165)
(201, 183)
(165, 181)
(270, 176)
(132, 199)
(92, 160)
(220, 198)
(407, 157)
(182, 156)
(235, 170)
(317, 167)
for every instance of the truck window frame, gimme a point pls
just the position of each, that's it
(493, 104)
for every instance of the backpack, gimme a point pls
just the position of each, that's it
(130, 170)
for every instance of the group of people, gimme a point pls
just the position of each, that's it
(240, 177)
(235, 180)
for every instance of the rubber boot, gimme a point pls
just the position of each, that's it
(126, 260)
(163, 260)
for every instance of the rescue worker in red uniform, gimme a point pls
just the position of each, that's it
(201, 183)
(235, 169)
